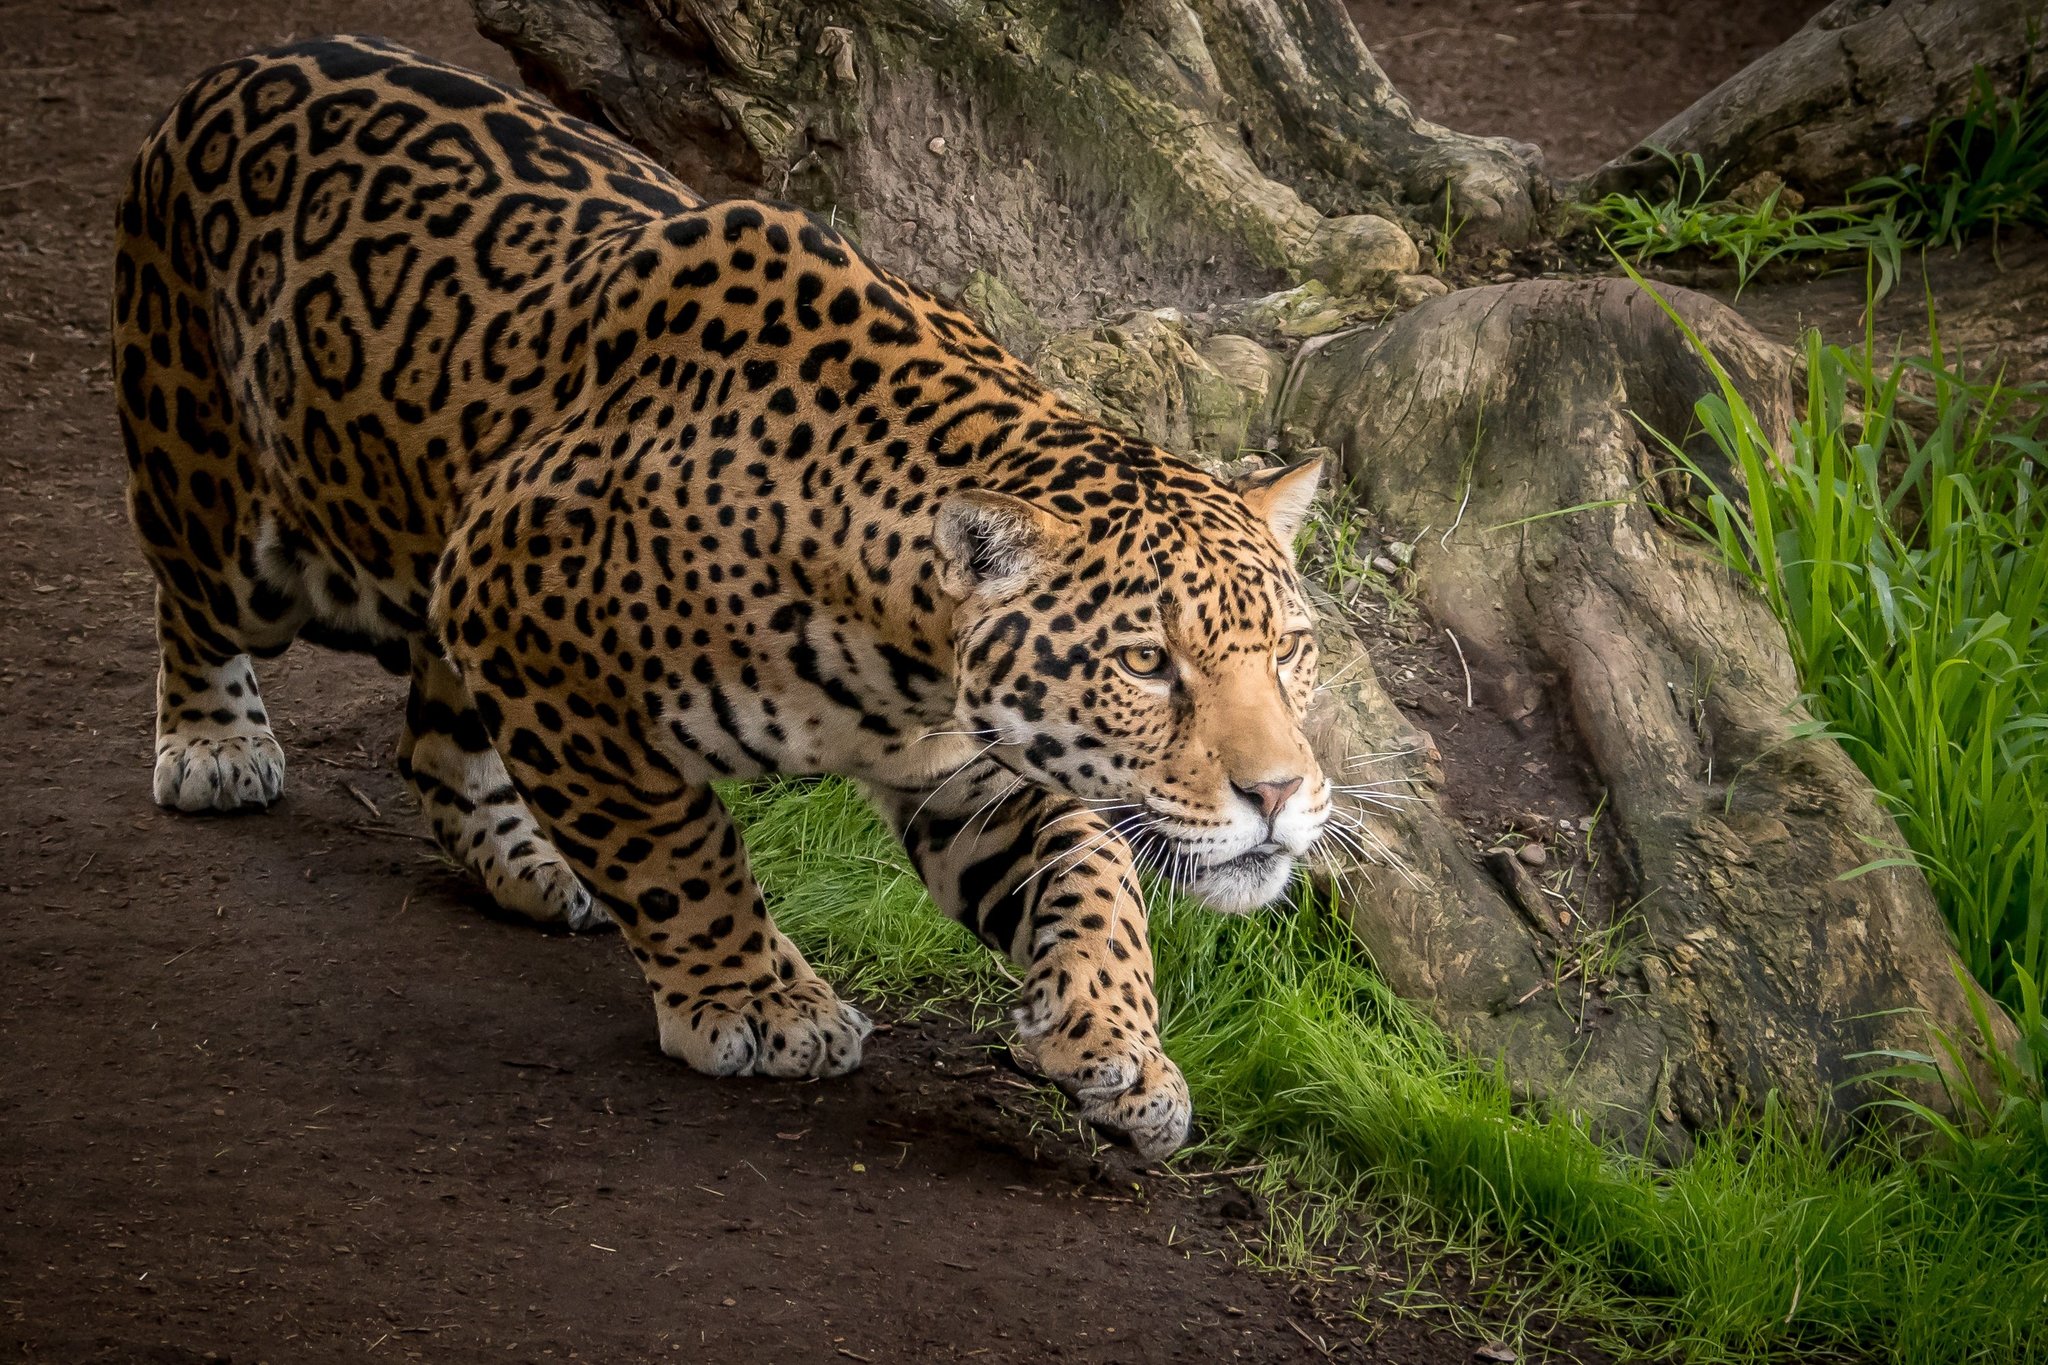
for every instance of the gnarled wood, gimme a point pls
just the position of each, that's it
(1849, 96)
(1150, 150)
(1762, 966)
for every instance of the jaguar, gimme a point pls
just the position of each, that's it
(646, 492)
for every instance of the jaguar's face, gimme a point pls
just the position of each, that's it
(1160, 676)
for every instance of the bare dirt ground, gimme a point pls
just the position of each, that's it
(1990, 302)
(1585, 80)
(271, 1088)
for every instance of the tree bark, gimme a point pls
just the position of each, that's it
(1196, 153)
(1144, 151)
(1757, 967)
(1849, 96)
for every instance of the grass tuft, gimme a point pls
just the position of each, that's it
(1985, 169)
(1749, 236)
(1903, 542)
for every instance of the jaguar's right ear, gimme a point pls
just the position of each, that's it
(987, 541)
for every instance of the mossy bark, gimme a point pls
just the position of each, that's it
(1849, 96)
(1761, 964)
(1145, 151)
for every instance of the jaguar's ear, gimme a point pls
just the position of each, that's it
(987, 540)
(1281, 497)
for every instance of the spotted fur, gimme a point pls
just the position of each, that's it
(644, 492)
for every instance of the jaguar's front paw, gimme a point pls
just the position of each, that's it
(1121, 1079)
(222, 772)
(797, 1029)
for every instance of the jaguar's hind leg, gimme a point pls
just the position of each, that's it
(477, 816)
(214, 748)
(194, 495)
(732, 996)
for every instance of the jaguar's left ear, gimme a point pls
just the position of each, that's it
(1281, 497)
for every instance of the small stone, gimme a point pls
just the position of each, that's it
(1307, 310)
(1532, 855)
(937, 146)
(1385, 565)
(1246, 366)
(1757, 191)
(1358, 253)
(1496, 1353)
(1401, 552)
(1409, 290)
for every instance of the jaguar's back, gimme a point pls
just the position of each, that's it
(348, 277)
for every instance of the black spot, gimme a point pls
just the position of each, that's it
(449, 89)
(343, 61)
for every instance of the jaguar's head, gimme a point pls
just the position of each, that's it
(1150, 654)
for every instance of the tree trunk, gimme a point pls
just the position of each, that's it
(1147, 151)
(1053, 163)
(1848, 97)
(1755, 966)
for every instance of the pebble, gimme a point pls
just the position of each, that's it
(937, 146)
(1532, 855)
(1386, 566)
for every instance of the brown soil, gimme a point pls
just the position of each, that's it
(1585, 80)
(1990, 300)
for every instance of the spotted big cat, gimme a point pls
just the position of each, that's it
(645, 492)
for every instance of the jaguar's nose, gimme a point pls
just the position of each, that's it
(1269, 797)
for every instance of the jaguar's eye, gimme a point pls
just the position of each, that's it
(1142, 661)
(1291, 648)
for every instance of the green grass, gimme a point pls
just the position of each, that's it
(1693, 217)
(1983, 170)
(1764, 1245)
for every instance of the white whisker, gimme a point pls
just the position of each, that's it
(988, 807)
(1380, 756)
(1331, 681)
(950, 779)
(1079, 853)
(970, 734)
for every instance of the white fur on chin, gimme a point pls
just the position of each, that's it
(1232, 890)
